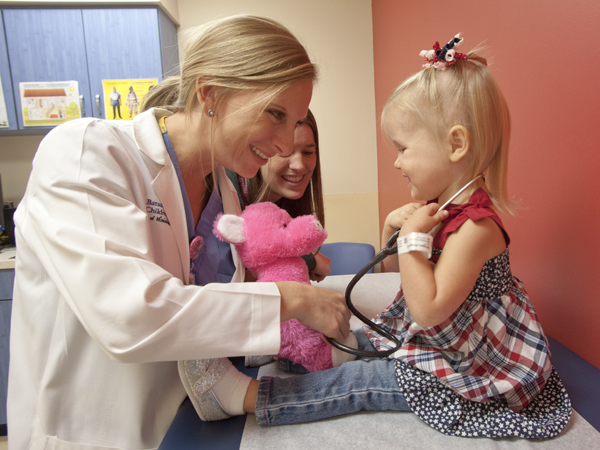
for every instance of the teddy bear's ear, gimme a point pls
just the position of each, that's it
(230, 228)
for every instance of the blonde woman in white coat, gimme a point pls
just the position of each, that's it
(103, 306)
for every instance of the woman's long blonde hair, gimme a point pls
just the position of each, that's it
(236, 53)
(464, 93)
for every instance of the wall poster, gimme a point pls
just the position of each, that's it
(49, 103)
(122, 98)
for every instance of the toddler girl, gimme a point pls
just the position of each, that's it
(473, 348)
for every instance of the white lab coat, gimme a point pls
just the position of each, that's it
(101, 308)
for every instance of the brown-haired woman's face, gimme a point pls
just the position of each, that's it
(246, 138)
(288, 176)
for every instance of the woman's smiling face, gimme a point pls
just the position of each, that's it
(246, 136)
(288, 176)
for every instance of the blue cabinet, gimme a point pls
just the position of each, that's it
(6, 289)
(46, 45)
(88, 45)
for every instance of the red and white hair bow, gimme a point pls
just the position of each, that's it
(445, 56)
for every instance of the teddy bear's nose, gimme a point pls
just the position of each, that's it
(318, 225)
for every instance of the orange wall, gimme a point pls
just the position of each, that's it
(546, 58)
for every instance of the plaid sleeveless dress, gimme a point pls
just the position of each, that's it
(485, 371)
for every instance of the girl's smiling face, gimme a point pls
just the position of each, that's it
(421, 158)
(246, 136)
(288, 176)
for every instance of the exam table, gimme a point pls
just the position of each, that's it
(374, 430)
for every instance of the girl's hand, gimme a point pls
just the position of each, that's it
(424, 219)
(393, 222)
(322, 269)
(398, 217)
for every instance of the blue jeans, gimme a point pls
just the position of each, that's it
(364, 384)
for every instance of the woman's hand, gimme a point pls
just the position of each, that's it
(393, 222)
(322, 268)
(321, 309)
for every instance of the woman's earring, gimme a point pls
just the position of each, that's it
(210, 113)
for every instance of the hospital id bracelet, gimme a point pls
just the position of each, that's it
(415, 242)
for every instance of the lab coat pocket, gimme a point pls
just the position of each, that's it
(41, 441)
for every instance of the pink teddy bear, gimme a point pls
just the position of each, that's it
(271, 244)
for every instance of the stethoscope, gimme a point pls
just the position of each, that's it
(389, 249)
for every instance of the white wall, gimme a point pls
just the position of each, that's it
(338, 36)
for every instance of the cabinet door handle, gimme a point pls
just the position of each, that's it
(81, 110)
(98, 105)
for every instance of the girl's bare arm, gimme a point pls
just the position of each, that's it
(432, 295)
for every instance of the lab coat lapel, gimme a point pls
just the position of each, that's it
(166, 184)
(231, 205)
(227, 192)
(168, 190)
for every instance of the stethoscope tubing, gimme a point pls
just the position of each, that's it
(384, 253)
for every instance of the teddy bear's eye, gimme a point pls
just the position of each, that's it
(285, 225)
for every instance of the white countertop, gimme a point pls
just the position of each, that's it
(7, 258)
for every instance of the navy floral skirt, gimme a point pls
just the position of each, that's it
(446, 411)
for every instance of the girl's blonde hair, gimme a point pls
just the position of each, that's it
(236, 53)
(464, 93)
